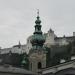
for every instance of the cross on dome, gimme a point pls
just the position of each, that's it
(37, 12)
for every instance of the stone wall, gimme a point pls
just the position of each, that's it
(9, 70)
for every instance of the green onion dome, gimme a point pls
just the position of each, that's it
(38, 38)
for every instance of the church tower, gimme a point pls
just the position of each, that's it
(37, 55)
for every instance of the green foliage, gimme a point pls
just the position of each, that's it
(25, 61)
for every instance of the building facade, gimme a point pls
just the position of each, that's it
(52, 39)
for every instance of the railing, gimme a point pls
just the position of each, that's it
(57, 68)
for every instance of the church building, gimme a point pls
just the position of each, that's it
(37, 54)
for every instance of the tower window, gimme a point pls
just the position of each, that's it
(39, 65)
(31, 66)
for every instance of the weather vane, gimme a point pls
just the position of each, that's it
(37, 12)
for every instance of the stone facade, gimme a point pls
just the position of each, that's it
(50, 38)
(37, 61)
(28, 45)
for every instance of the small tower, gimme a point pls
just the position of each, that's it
(37, 55)
(19, 44)
(50, 38)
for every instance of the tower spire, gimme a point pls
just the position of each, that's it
(37, 12)
(38, 38)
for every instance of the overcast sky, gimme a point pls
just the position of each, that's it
(17, 19)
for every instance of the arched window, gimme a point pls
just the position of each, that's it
(39, 65)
